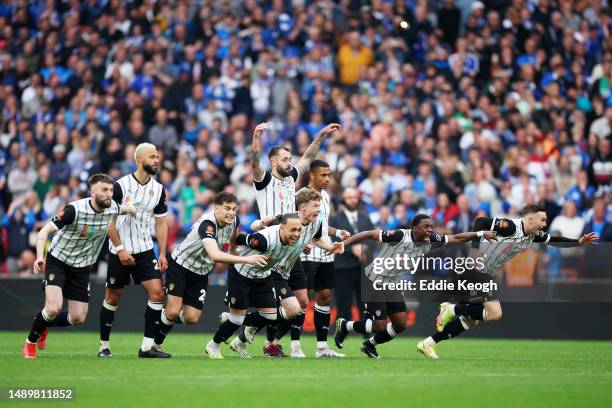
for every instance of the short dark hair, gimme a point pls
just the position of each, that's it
(276, 150)
(306, 195)
(224, 197)
(532, 209)
(418, 218)
(99, 178)
(318, 164)
(288, 216)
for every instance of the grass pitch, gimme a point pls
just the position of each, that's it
(470, 372)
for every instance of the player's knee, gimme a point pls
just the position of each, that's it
(191, 319)
(172, 315)
(495, 314)
(52, 309)
(303, 301)
(77, 318)
(379, 325)
(324, 297)
(292, 310)
(112, 297)
(156, 295)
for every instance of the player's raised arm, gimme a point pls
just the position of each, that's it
(256, 151)
(309, 155)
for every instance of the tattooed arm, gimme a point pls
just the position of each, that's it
(258, 170)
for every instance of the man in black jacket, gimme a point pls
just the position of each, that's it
(348, 264)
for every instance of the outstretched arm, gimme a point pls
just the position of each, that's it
(335, 248)
(338, 233)
(216, 255)
(311, 152)
(468, 236)
(256, 147)
(563, 242)
(362, 236)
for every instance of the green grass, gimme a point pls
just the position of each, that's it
(471, 372)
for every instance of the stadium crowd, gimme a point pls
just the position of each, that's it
(453, 108)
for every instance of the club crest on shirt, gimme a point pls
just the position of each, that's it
(151, 193)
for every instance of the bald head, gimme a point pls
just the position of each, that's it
(147, 158)
(350, 198)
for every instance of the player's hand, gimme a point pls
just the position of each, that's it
(126, 258)
(129, 210)
(39, 266)
(331, 128)
(266, 221)
(259, 129)
(337, 248)
(490, 235)
(588, 239)
(162, 263)
(307, 249)
(344, 235)
(258, 260)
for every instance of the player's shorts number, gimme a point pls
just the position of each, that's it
(202, 295)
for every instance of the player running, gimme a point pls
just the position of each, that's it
(514, 235)
(253, 285)
(308, 202)
(414, 242)
(192, 261)
(81, 229)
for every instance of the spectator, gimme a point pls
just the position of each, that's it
(569, 224)
(445, 211)
(21, 179)
(353, 56)
(162, 134)
(581, 193)
(599, 224)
